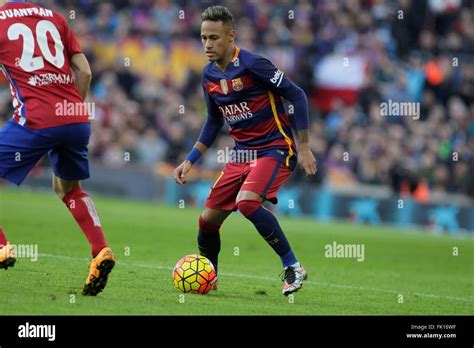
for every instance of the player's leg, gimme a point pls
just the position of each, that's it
(20, 150)
(220, 203)
(84, 212)
(70, 166)
(262, 183)
(7, 253)
(209, 239)
(250, 205)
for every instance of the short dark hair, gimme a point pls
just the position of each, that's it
(218, 13)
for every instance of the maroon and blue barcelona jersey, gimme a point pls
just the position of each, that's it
(248, 97)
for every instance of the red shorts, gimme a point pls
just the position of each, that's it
(264, 177)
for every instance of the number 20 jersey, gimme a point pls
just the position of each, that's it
(36, 45)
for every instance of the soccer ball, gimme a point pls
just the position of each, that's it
(194, 273)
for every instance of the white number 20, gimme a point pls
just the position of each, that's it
(27, 61)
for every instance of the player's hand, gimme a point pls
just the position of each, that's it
(181, 172)
(306, 160)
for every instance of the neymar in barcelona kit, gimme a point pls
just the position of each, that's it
(245, 91)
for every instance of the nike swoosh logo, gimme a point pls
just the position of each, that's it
(250, 182)
(212, 88)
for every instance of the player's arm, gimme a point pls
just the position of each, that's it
(265, 72)
(208, 134)
(82, 73)
(78, 61)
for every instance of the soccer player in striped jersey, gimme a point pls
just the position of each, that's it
(245, 90)
(46, 69)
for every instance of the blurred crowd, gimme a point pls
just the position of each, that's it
(151, 111)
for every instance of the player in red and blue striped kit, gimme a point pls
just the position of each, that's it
(245, 91)
(49, 79)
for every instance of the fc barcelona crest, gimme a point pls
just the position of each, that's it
(237, 84)
(224, 87)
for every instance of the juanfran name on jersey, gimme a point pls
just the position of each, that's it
(236, 112)
(24, 12)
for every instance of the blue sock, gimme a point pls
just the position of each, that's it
(288, 259)
(269, 228)
(209, 241)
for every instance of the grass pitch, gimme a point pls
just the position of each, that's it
(403, 273)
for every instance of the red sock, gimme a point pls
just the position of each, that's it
(83, 209)
(3, 238)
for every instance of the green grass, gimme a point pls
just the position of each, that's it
(419, 266)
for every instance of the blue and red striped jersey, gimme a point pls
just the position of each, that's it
(248, 97)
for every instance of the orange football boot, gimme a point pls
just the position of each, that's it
(101, 266)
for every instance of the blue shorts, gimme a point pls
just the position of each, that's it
(21, 148)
